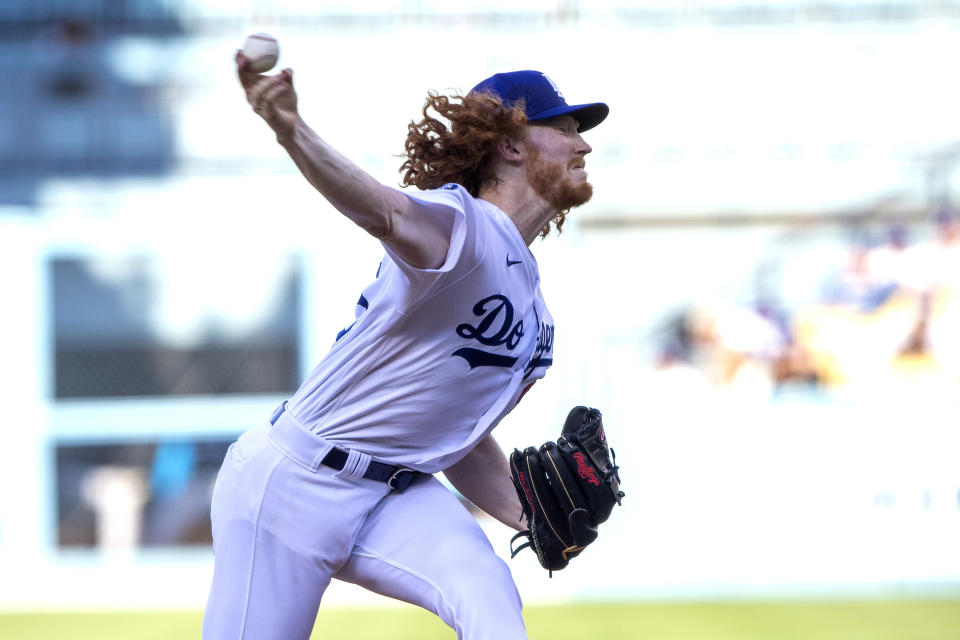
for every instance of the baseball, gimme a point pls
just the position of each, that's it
(263, 50)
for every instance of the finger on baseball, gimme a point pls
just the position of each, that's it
(287, 75)
(266, 92)
(247, 78)
(259, 86)
(254, 91)
(272, 92)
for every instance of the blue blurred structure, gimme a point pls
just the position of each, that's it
(66, 111)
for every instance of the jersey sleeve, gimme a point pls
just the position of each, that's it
(466, 243)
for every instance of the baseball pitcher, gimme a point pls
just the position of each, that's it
(339, 481)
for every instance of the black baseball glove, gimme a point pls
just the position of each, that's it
(567, 488)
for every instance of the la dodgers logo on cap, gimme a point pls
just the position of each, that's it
(540, 97)
(554, 85)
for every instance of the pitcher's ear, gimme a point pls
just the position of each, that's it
(510, 150)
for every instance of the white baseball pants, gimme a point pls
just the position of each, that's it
(283, 525)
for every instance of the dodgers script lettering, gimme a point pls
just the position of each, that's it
(488, 332)
(496, 327)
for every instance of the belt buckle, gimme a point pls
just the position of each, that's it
(399, 482)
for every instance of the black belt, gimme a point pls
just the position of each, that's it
(397, 478)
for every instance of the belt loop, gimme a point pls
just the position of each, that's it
(296, 442)
(278, 412)
(355, 466)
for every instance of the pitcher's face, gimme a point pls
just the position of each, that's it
(555, 162)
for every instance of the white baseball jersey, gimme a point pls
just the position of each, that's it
(436, 357)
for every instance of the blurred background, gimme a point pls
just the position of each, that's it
(763, 297)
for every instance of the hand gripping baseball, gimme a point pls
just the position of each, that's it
(567, 489)
(273, 98)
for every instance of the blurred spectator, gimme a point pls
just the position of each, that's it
(894, 265)
(735, 348)
(675, 378)
(858, 284)
(889, 316)
(941, 321)
(938, 284)
(917, 342)
(791, 364)
(70, 55)
(946, 262)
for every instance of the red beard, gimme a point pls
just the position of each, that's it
(551, 182)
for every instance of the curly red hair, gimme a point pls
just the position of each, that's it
(466, 151)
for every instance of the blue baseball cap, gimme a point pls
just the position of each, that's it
(542, 98)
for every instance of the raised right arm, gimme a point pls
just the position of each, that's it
(420, 239)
